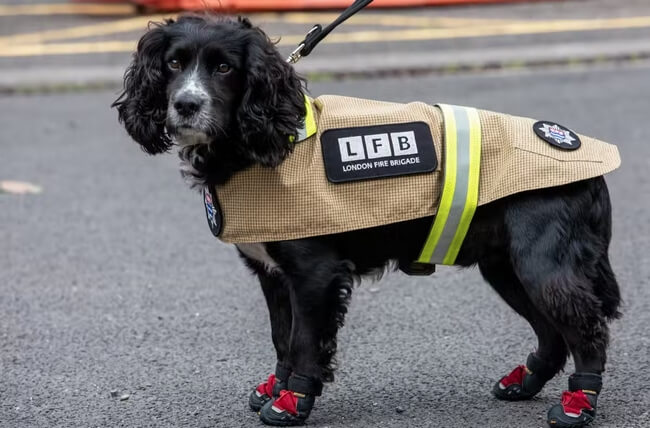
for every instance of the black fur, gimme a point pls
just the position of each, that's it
(272, 104)
(142, 106)
(543, 251)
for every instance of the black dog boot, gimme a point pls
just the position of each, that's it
(578, 408)
(269, 389)
(294, 404)
(524, 381)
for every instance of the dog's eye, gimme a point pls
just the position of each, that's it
(223, 68)
(174, 64)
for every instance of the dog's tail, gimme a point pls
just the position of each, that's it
(605, 284)
(606, 289)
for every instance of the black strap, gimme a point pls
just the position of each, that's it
(305, 385)
(582, 380)
(318, 33)
(416, 268)
(282, 372)
(541, 368)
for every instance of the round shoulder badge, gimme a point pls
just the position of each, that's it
(557, 135)
(212, 212)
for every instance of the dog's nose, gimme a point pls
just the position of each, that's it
(187, 105)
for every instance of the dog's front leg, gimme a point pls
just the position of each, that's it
(319, 290)
(276, 293)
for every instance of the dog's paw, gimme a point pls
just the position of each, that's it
(290, 409)
(524, 382)
(265, 391)
(578, 406)
(578, 409)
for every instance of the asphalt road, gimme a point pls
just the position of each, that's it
(111, 281)
(41, 49)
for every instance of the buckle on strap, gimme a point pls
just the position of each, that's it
(417, 268)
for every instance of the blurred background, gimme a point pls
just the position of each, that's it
(119, 308)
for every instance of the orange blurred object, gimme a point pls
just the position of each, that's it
(279, 5)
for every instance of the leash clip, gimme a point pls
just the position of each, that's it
(318, 33)
(295, 56)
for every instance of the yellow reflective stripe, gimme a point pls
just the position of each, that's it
(309, 123)
(472, 186)
(449, 185)
(462, 166)
(310, 120)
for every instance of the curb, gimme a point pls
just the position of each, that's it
(371, 65)
(532, 55)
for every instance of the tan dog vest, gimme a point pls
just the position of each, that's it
(297, 200)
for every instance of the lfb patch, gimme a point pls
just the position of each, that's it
(212, 212)
(368, 152)
(557, 135)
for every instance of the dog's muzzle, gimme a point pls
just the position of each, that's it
(187, 105)
(188, 118)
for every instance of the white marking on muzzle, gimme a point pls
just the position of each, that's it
(193, 86)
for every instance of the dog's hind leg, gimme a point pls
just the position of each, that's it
(575, 310)
(276, 293)
(559, 252)
(525, 381)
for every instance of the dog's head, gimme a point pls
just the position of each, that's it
(215, 82)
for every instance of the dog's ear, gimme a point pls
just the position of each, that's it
(272, 105)
(142, 105)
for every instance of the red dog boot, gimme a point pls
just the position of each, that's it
(524, 381)
(578, 407)
(294, 405)
(269, 389)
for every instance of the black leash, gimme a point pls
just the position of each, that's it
(318, 33)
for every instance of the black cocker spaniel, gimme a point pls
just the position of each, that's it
(218, 89)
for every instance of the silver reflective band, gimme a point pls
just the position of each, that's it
(459, 198)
